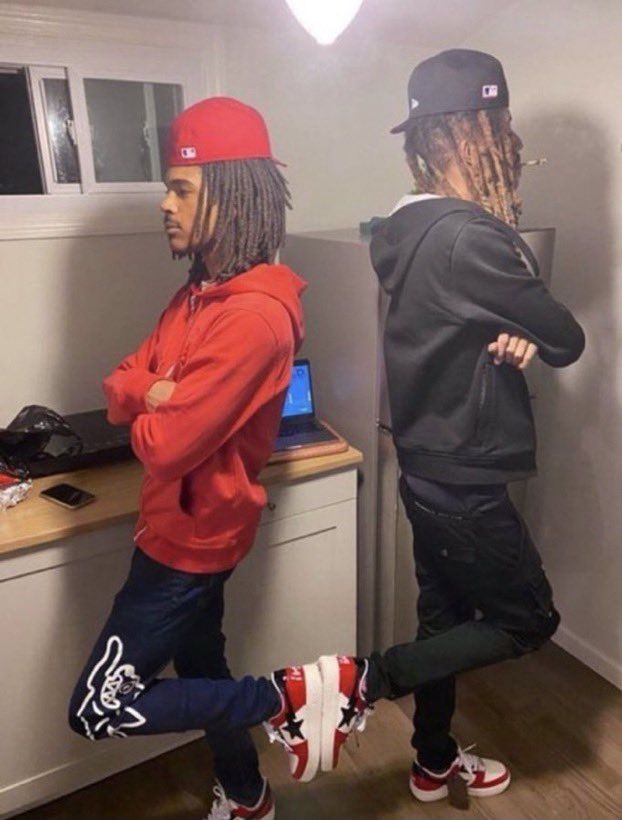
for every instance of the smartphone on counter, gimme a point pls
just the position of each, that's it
(68, 496)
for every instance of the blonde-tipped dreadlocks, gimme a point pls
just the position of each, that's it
(432, 141)
(251, 196)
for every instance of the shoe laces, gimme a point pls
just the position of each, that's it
(220, 807)
(471, 763)
(276, 736)
(360, 721)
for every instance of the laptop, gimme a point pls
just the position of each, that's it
(299, 424)
(102, 443)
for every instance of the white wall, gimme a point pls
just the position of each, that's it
(329, 111)
(71, 309)
(564, 63)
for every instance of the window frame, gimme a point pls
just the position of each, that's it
(95, 44)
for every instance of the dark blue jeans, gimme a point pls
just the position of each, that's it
(161, 614)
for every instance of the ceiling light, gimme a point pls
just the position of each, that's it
(325, 19)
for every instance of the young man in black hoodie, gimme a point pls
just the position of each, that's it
(468, 312)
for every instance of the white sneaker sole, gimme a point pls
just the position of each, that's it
(329, 672)
(313, 720)
(442, 792)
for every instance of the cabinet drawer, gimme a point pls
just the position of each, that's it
(293, 597)
(285, 500)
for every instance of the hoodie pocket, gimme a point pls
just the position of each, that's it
(486, 404)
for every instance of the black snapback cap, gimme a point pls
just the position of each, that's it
(455, 80)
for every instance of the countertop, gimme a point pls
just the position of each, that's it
(35, 521)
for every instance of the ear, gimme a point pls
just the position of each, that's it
(468, 152)
(417, 164)
(211, 220)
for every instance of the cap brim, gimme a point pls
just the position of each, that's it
(403, 126)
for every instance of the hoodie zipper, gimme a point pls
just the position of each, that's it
(139, 533)
(191, 318)
(482, 418)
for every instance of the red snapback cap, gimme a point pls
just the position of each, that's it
(216, 129)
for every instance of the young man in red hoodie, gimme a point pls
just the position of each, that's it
(203, 395)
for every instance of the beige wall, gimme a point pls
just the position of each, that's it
(564, 65)
(71, 309)
(330, 111)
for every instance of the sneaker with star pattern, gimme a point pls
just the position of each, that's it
(345, 707)
(298, 723)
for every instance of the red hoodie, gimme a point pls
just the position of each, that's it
(230, 348)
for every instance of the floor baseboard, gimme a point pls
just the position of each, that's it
(600, 663)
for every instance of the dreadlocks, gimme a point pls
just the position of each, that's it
(432, 142)
(251, 196)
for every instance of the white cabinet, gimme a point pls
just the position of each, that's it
(294, 597)
(290, 600)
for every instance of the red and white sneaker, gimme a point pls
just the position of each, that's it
(223, 808)
(298, 724)
(483, 777)
(344, 706)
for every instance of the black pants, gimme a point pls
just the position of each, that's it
(483, 598)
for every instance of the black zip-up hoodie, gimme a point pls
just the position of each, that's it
(456, 281)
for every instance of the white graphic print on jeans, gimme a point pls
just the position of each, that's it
(117, 679)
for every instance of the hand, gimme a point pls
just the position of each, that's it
(513, 350)
(159, 391)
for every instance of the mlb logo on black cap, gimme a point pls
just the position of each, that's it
(453, 81)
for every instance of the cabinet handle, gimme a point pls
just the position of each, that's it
(271, 506)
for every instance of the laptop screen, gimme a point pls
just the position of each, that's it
(299, 401)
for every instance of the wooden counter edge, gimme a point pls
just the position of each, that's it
(36, 522)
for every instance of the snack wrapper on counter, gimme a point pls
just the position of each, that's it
(14, 485)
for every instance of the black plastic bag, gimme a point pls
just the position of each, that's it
(34, 434)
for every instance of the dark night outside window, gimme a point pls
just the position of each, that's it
(20, 172)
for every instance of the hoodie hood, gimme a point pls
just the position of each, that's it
(276, 281)
(397, 239)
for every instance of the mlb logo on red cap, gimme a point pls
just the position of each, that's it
(217, 130)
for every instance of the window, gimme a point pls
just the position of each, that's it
(61, 133)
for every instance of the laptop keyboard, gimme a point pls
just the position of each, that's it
(120, 439)
(299, 428)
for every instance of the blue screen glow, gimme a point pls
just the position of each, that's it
(299, 400)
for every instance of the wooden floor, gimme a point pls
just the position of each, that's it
(556, 723)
